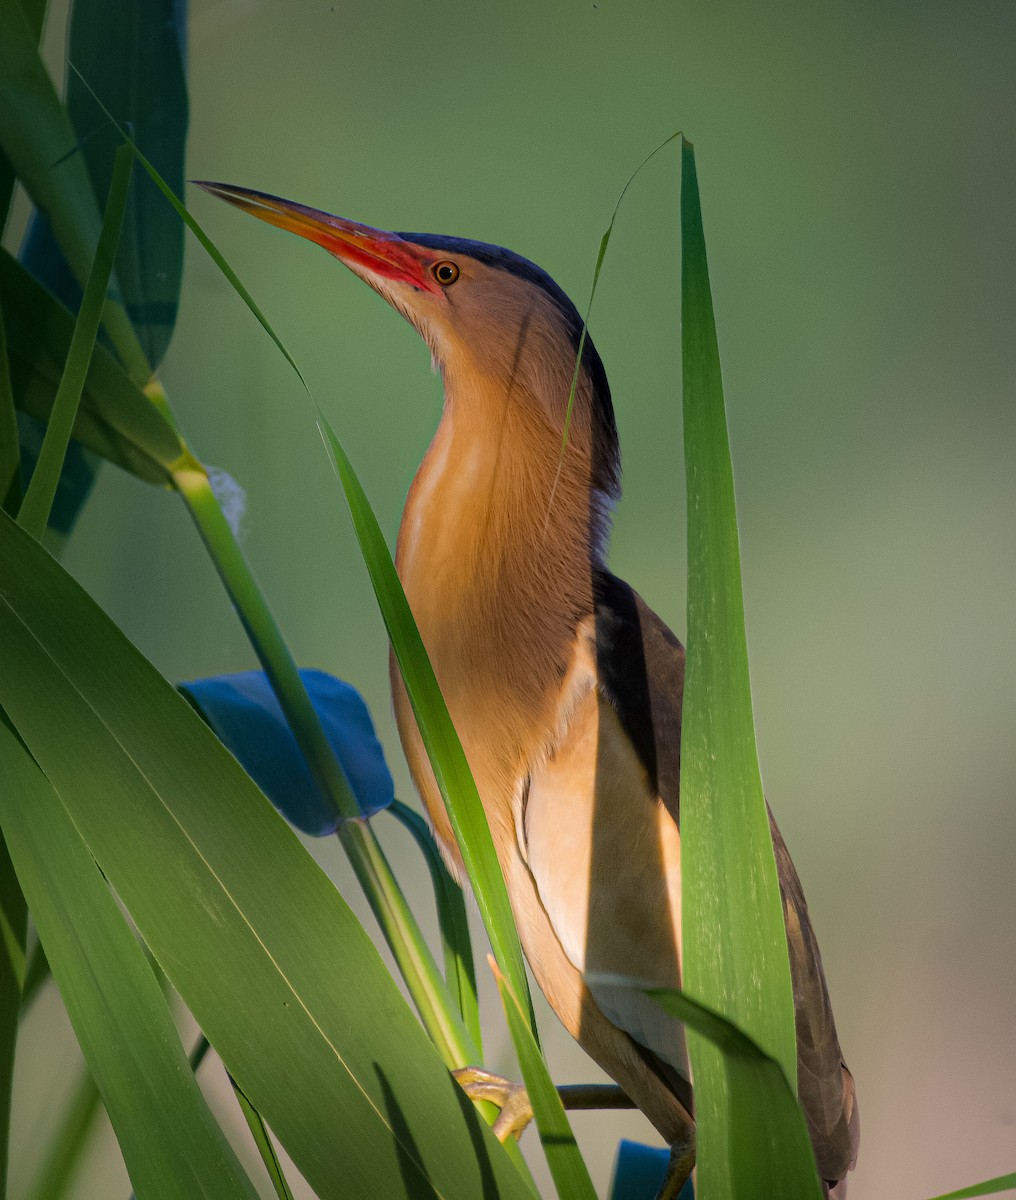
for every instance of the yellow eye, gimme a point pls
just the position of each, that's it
(445, 273)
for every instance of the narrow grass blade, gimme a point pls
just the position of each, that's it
(115, 418)
(14, 928)
(600, 254)
(206, 242)
(1001, 1183)
(35, 508)
(460, 972)
(735, 949)
(443, 746)
(567, 1166)
(171, 1144)
(397, 923)
(263, 1142)
(275, 968)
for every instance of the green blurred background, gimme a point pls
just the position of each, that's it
(858, 175)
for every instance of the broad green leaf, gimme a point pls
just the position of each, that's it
(248, 719)
(37, 136)
(35, 508)
(115, 418)
(567, 1167)
(460, 973)
(1001, 1183)
(33, 13)
(171, 1144)
(735, 948)
(439, 737)
(133, 56)
(275, 968)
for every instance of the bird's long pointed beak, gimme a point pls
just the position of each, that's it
(375, 250)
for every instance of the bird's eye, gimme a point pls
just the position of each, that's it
(445, 273)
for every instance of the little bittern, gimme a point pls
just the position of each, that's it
(564, 686)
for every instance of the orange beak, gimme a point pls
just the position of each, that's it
(374, 250)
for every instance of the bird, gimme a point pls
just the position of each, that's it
(564, 686)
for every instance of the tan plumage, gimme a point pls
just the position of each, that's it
(565, 688)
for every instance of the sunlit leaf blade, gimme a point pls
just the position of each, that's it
(567, 1167)
(275, 968)
(216, 256)
(460, 972)
(171, 1144)
(40, 143)
(115, 419)
(768, 1149)
(439, 737)
(133, 56)
(1001, 1183)
(35, 508)
(245, 713)
(389, 905)
(735, 949)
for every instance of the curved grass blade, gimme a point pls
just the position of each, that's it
(273, 965)
(263, 1142)
(10, 455)
(206, 242)
(35, 508)
(567, 1166)
(171, 1144)
(735, 948)
(115, 418)
(990, 1187)
(442, 742)
(460, 972)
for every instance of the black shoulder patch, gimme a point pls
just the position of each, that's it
(640, 664)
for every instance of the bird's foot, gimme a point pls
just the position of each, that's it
(511, 1098)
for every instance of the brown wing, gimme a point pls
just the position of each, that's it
(824, 1085)
(641, 670)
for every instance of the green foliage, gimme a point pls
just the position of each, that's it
(116, 798)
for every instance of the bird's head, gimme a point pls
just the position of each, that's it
(497, 325)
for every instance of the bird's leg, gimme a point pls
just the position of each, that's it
(680, 1167)
(513, 1099)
